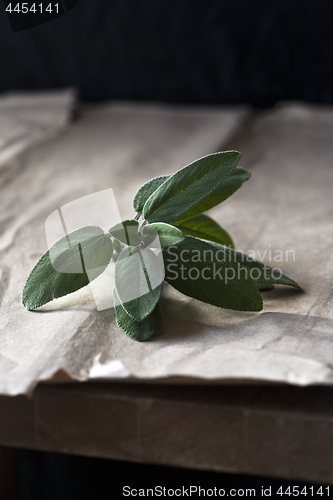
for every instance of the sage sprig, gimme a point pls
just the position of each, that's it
(173, 226)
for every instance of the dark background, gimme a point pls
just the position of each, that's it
(180, 51)
(52, 476)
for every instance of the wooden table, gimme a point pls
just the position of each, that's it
(278, 431)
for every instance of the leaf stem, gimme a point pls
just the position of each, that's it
(145, 272)
(143, 223)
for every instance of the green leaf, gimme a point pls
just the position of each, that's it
(146, 190)
(139, 277)
(203, 227)
(138, 330)
(126, 232)
(260, 273)
(70, 264)
(264, 286)
(186, 191)
(233, 182)
(167, 235)
(192, 268)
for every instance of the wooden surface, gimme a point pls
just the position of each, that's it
(278, 431)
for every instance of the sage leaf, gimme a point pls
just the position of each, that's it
(70, 264)
(126, 232)
(260, 273)
(168, 235)
(138, 330)
(139, 275)
(146, 190)
(264, 286)
(203, 227)
(193, 268)
(185, 191)
(233, 182)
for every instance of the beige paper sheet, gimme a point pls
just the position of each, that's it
(29, 118)
(285, 207)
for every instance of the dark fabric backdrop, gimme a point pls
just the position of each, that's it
(206, 51)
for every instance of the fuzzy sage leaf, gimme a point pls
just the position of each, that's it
(167, 235)
(233, 182)
(203, 227)
(138, 330)
(190, 189)
(192, 268)
(139, 275)
(146, 190)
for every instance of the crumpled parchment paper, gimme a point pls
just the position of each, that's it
(285, 210)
